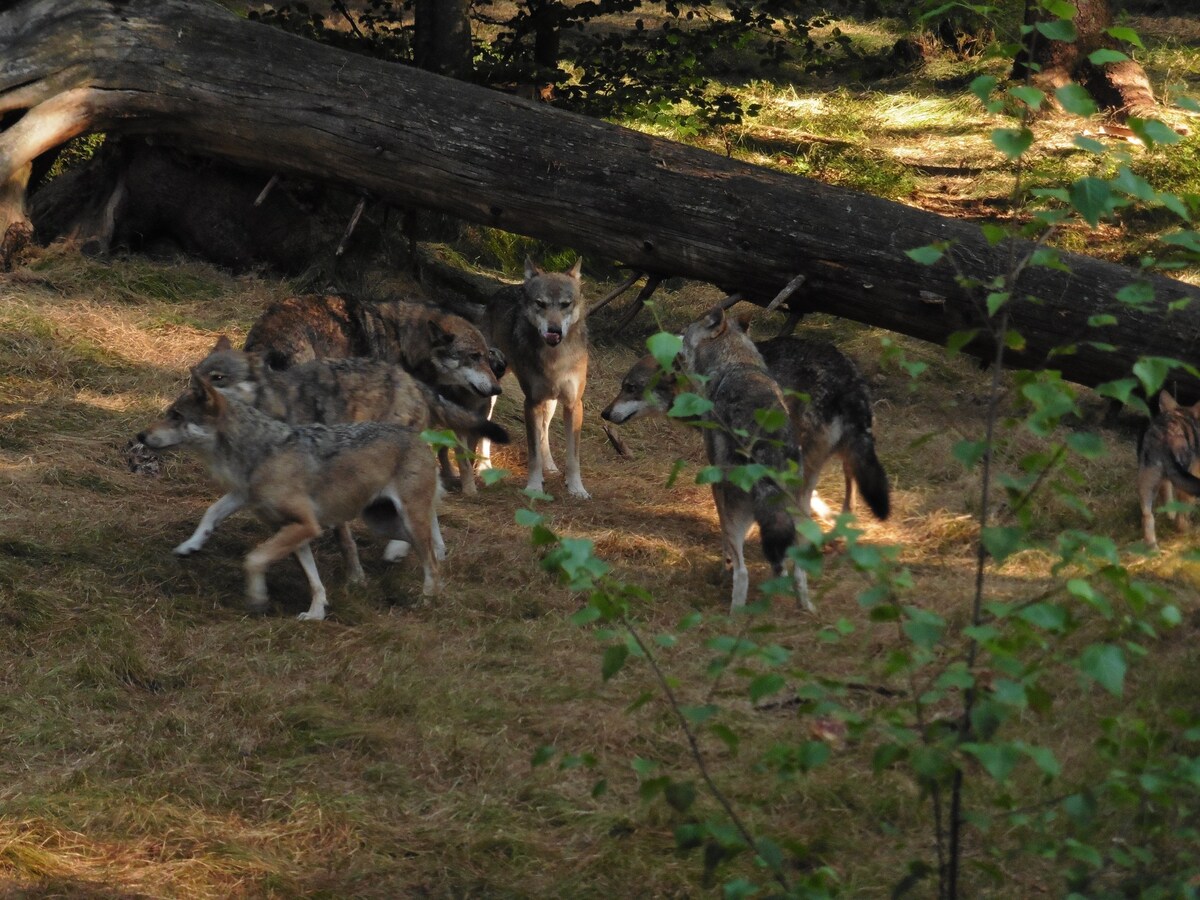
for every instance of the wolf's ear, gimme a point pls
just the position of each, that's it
(438, 336)
(743, 321)
(714, 320)
(576, 269)
(222, 344)
(214, 400)
(532, 269)
(1167, 403)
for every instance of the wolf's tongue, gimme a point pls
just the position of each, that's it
(552, 338)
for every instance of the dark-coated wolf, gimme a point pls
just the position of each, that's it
(329, 392)
(828, 402)
(540, 327)
(740, 389)
(1168, 457)
(305, 478)
(439, 348)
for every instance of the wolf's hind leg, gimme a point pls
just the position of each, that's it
(316, 609)
(221, 510)
(354, 569)
(1148, 481)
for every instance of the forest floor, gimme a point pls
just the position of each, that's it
(158, 742)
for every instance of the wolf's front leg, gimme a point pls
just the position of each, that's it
(573, 423)
(537, 428)
(213, 516)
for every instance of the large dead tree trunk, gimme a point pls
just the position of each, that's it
(188, 71)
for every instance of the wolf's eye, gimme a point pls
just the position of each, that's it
(215, 377)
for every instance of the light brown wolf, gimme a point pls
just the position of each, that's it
(541, 329)
(828, 402)
(1168, 456)
(305, 478)
(741, 391)
(329, 392)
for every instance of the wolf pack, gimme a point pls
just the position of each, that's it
(319, 421)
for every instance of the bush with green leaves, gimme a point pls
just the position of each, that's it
(967, 694)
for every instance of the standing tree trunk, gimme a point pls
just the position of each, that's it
(413, 138)
(1121, 87)
(443, 37)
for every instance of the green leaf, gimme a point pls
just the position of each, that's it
(1152, 131)
(1012, 142)
(1076, 100)
(664, 347)
(680, 795)
(585, 616)
(996, 301)
(440, 438)
(1091, 145)
(542, 755)
(689, 405)
(1105, 56)
(983, 86)
(1189, 240)
(923, 628)
(765, 685)
(1128, 35)
(1043, 758)
(1102, 320)
(614, 659)
(771, 420)
(998, 760)
(698, 715)
(493, 476)
(1105, 664)
(1001, 541)
(1058, 30)
(1061, 9)
(994, 233)
(1120, 390)
(1086, 444)
(1048, 616)
(927, 255)
(1030, 96)
(969, 453)
(1092, 198)
(1152, 371)
(960, 339)
(527, 518)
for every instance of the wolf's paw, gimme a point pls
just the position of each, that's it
(188, 547)
(577, 489)
(396, 550)
(312, 615)
(256, 607)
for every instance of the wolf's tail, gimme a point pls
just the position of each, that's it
(448, 414)
(1177, 472)
(868, 472)
(775, 523)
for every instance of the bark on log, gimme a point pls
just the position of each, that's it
(191, 72)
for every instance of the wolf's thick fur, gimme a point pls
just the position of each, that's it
(541, 329)
(441, 349)
(1168, 456)
(304, 478)
(330, 392)
(476, 441)
(828, 403)
(738, 385)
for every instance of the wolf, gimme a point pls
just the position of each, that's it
(305, 478)
(439, 348)
(474, 451)
(328, 392)
(739, 387)
(828, 403)
(1168, 455)
(540, 326)
(444, 350)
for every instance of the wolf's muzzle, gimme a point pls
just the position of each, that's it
(552, 335)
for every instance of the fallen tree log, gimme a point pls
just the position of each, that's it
(189, 72)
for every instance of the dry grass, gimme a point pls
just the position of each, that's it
(162, 744)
